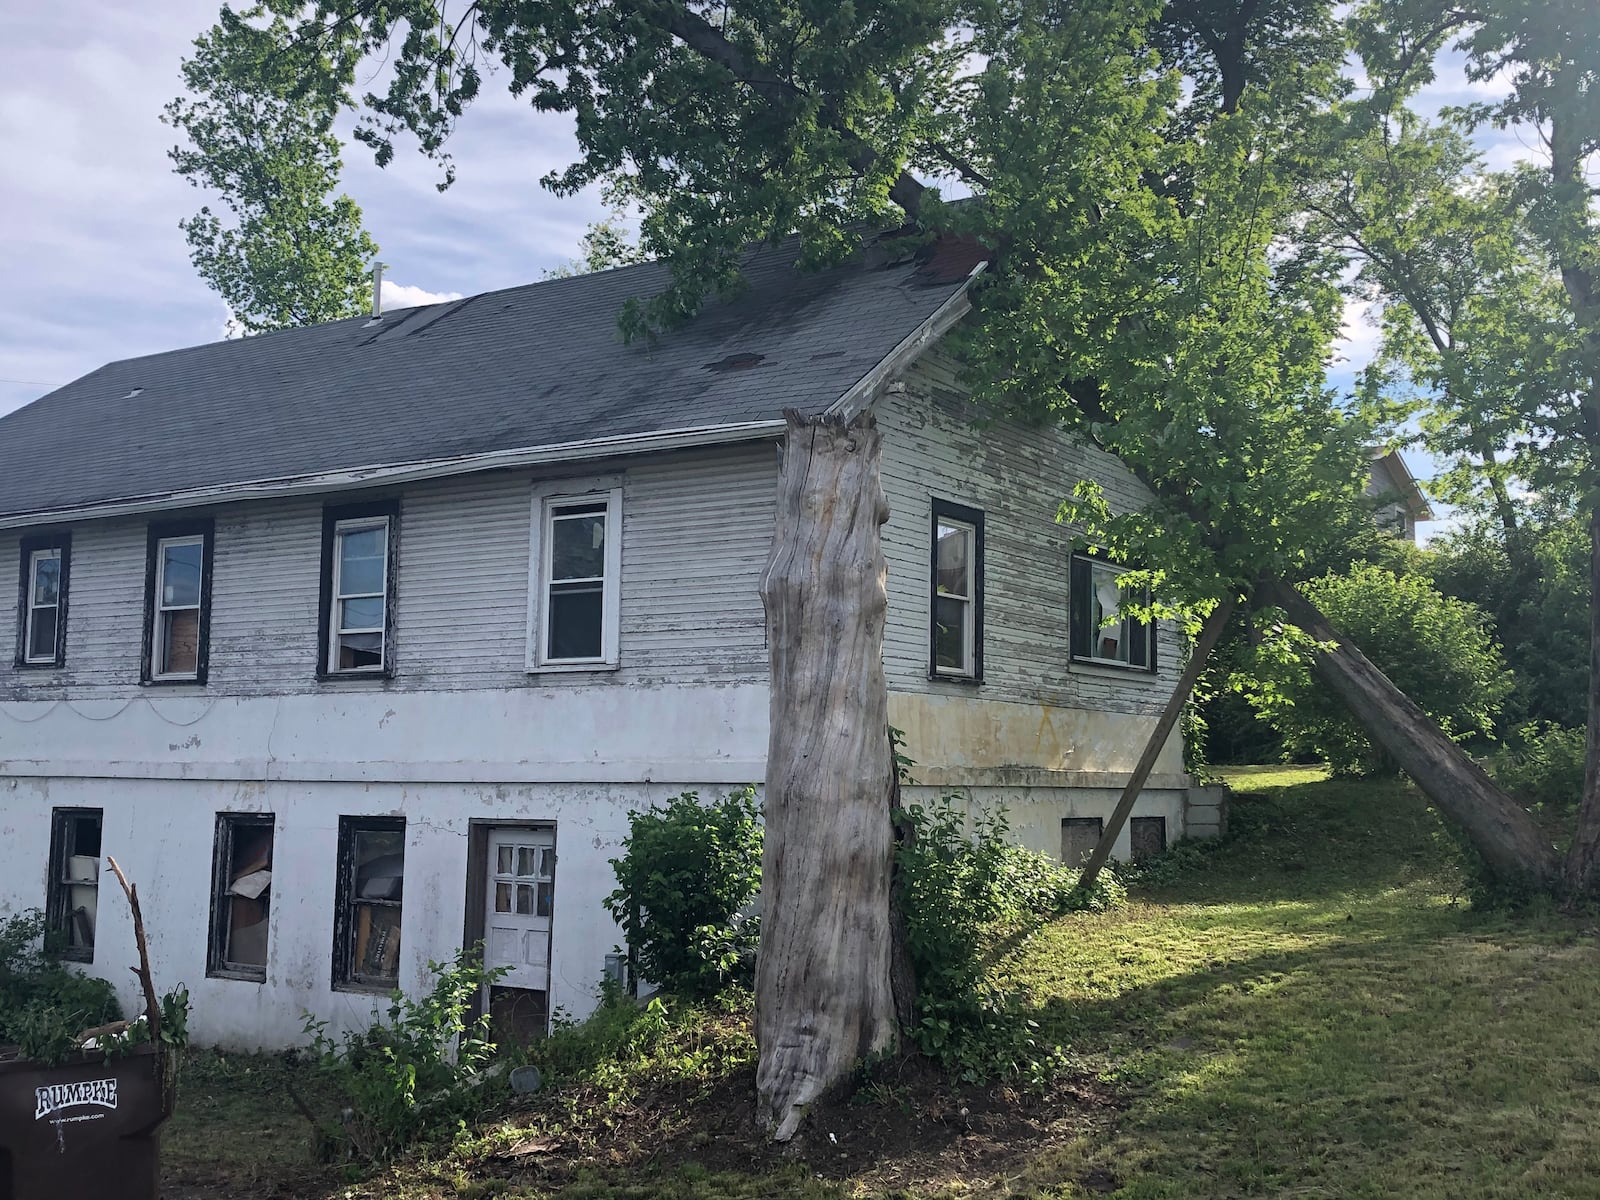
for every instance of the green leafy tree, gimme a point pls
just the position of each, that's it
(1436, 649)
(606, 244)
(285, 251)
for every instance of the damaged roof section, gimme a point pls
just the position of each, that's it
(528, 367)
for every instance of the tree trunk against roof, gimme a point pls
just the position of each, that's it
(1500, 830)
(823, 992)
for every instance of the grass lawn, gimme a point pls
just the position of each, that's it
(1302, 1010)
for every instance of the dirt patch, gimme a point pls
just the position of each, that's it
(907, 1125)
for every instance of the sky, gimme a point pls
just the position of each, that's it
(93, 267)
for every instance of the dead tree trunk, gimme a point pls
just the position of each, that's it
(1504, 835)
(1210, 633)
(823, 994)
(1583, 858)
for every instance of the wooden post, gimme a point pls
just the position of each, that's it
(823, 992)
(1504, 835)
(1210, 632)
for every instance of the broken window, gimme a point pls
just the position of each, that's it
(372, 860)
(956, 602)
(41, 616)
(357, 589)
(178, 601)
(241, 897)
(579, 561)
(74, 897)
(1100, 632)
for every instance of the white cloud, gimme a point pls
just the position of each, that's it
(1359, 336)
(402, 295)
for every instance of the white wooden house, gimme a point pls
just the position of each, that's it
(357, 643)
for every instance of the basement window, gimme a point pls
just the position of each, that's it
(42, 601)
(577, 566)
(357, 590)
(1099, 632)
(1146, 836)
(1079, 837)
(371, 883)
(955, 632)
(74, 898)
(178, 602)
(241, 896)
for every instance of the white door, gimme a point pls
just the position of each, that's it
(521, 897)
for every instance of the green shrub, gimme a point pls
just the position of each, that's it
(415, 1074)
(963, 896)
(44, 1005)
(1435, 649)
(1543, 766)
(686, 872)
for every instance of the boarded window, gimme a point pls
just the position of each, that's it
(372, 861)
(1147, 835)
(74, 899)
(1079, 837)
(241, 899)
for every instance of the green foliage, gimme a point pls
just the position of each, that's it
(44, 1005)
(686, 871)
(964, 895)
(287, 251)
(1435, 649)
(414, 1074)
(606, 244)
(1542, 765)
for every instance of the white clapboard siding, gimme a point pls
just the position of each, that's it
(1018, 477)
(696, 529)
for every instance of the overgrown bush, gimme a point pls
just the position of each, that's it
(414, 1074)
(964, 895)
(1435, 649)
(44, 1004)
(1543, 766)
(685, 873)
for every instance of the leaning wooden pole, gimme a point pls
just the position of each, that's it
(1507, 839)
(823, 993)
(1210, 634)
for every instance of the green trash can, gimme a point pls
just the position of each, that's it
(89, 1128)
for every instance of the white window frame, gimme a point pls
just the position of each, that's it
(547, 499)
(1128, 624)
(335, 628)
(969, 620)
(158, 608)
(34, 558)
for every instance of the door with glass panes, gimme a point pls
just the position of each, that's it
(521, 898)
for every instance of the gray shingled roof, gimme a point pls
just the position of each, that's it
(531, 366)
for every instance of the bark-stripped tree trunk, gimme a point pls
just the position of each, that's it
(1504, 835)
(823, 994)
(1210, 634)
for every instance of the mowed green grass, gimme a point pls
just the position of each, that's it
(1301, 1010)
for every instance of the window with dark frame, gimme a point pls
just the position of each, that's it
(956, 593)
(371, 882)
(1099, 633)
(577, 569)
(177, 602)
(356, 631)
(72, 904)
(241, 896)
(42, 600)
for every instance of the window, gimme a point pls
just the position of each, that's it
(372, 863)
(42, 601)
(358, 573)
(576, 564)
(73, 900)
(1146, 836)
(1099, 634)
(178, 602)
(956, 602)
(241, 896)
(1079, 837)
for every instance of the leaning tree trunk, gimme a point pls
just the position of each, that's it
(1504, 835)
(823, 994)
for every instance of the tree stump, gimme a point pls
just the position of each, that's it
(823, 994)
